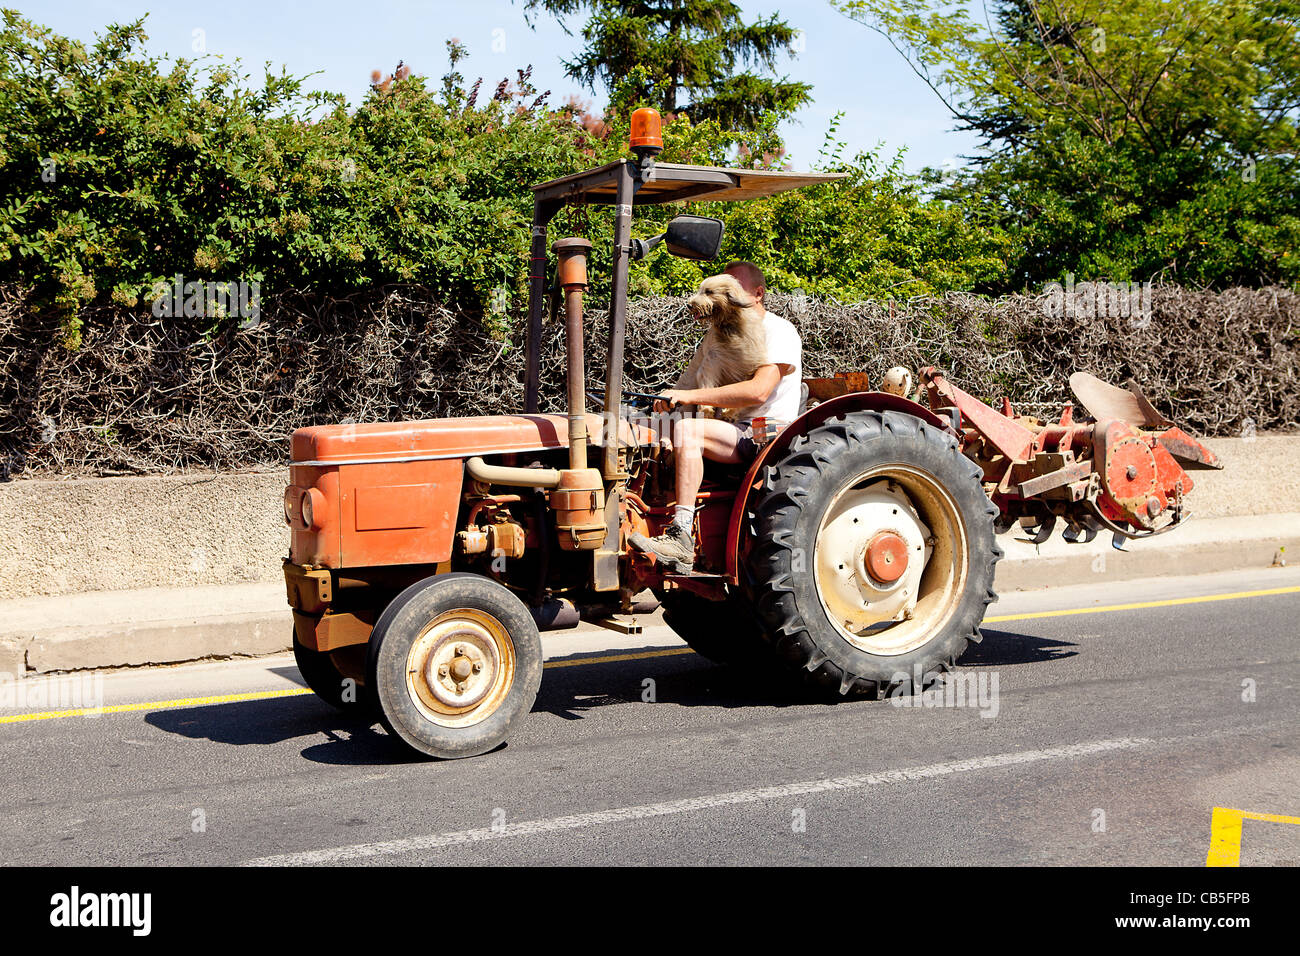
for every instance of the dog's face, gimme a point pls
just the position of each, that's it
(719, 301)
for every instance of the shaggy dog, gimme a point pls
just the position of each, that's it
(734, 346)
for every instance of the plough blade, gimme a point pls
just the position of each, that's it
(1189, 452)
(1103, 401)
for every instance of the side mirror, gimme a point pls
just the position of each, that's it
(690, 237)
(695, 237)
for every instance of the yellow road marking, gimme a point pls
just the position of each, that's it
(154, 705)
(1270, 817)
(1225, 833)
(1225, 838)
(291, 692)
(606, 659)
(1143, 604)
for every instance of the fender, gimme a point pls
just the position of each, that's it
(833, 408)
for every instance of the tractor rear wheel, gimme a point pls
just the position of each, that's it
(874, 553)
(726, 632)
(454, 661)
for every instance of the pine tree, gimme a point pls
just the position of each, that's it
(685, 56)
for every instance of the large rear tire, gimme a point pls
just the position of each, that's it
(454, 661)
(874, 554)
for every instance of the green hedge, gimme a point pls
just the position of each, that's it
(118, 170)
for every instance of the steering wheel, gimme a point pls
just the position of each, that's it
(634, 398)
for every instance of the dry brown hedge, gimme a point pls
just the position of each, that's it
(149, 395)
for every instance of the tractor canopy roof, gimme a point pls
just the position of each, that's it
(672, 182)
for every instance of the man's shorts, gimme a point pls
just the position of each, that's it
(754, 435)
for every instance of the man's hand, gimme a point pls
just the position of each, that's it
(672, 397)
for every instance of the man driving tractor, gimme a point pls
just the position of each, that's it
(762, 405)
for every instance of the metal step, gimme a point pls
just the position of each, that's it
(694, 576)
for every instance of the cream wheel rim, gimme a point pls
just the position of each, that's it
(460, 668)
(891, 559)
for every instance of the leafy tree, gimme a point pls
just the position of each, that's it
(1165, 75)
(117, 171)
(1123, 140)
(689, 54)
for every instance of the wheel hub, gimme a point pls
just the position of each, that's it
(870, 554)
(872, 550)
(886, 557)
(461, 665)
(460, 668)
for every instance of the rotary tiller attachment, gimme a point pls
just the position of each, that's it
(1124, 469)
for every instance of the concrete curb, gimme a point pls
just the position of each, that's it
(239, 635)
(1201, 547)
(148, 626)
(134, 628)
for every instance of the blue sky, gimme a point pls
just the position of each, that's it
(850, 68)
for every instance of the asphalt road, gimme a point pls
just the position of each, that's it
(1108, 738)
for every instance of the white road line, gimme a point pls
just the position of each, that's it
(601, 817)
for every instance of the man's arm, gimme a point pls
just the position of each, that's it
(739, 395)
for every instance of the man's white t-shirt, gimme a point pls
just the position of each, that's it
(784, 347)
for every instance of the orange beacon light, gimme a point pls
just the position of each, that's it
(646, 137)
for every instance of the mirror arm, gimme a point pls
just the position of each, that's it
(643, 247)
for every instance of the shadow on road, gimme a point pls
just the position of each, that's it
(265, 722)
(1005, 647)
(686, 680)
(290, 673)
(689, 680)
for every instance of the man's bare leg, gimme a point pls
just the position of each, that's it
(694, 439)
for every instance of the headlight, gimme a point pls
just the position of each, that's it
(312, 505)
(302, 508)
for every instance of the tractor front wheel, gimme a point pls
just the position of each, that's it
(454, 661)
(874, 553)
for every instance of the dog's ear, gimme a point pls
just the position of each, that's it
(737, 297)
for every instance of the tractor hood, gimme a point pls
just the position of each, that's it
(325, 445)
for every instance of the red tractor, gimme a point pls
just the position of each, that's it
(858, 548)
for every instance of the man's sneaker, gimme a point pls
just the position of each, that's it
(675, 548)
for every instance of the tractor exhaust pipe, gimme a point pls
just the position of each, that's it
(577, 493)
(572, 267)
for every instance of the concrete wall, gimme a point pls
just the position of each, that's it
(1261, 476)
(100, 534)
(107, 534)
